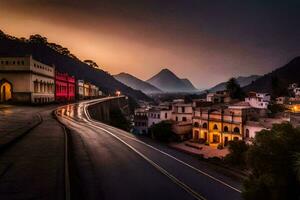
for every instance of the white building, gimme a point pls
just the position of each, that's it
(251, 128)
(26, 80)
(258, 100)
(182, 112)
(218, 97)
(156, 115)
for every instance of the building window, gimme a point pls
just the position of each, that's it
(176, 119)
(166, 115)
(247, 133)
(196, 124)
(215, 127)
(226, 129)
(36, 86)
(235, 138)
(204, 125)
(236, 130)
(184, 119)
(158, 116)
(183, 109)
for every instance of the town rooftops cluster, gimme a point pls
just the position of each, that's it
(217, 119)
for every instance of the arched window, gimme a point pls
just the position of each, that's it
(236, 130)
(215, 127)
(204, 125)
(196, 124)
(247, 133)
(226, 129)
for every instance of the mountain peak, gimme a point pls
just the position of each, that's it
(167, 81)
(136, 83)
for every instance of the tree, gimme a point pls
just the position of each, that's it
(278, 88)
(234, 89)
(162, 131)
(92, 64)
(276, 108)
(271, 160)
(38, 39)
(237, 153)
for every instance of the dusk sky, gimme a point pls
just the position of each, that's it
(205, 41)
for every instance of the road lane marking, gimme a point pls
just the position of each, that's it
(91, 122)
(154, 148)
(155, 165)
(159, 168)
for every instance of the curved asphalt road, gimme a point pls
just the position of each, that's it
(108, 163)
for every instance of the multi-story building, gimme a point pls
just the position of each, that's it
(80, 89)
(182, 111)
(258, 100)
(141, 120)
(26, 80)
(86, 91)
(182, 114)
(157, 114)
(64, 87)
(221, 125)
(218, 97)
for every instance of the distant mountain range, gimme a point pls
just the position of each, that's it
(242, 80)
(168, 82)
(163, 82)
(136, 83)
(64, 61)
(277, 81)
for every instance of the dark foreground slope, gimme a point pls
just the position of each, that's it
(64, 61)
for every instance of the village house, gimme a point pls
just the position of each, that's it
(64, 87)
(80, 89)
(219, 125)
(140, 121)
(218, 97)
(258, 100)
(182, 114)
(251, 128)
(26, 80)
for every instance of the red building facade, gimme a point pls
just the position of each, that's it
(64, 87)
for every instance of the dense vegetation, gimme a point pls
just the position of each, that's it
(64, 61)
(234, 89)
(117, 119)
(273, 161)
(162, 131)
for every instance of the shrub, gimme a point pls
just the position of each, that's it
(162, 131)
(272, 160)
(237, 153)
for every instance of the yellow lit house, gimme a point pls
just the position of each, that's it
(219, 126)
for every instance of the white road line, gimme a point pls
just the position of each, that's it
(160, 169)
(178, 160)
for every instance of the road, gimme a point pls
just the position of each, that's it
(108, 163)
(32, 167)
